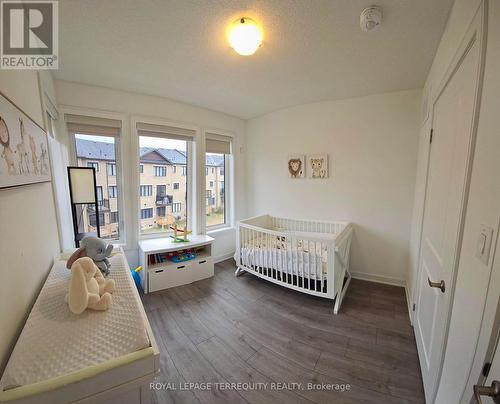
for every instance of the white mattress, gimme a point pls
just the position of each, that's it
(55, 342)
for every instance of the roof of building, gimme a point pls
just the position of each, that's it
(93, 150)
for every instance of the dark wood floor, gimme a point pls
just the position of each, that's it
(246, 330)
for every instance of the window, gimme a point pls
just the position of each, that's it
(147, 213)
(177, 207)
(215, 196)
(94, 165)
(113, 217)
(206, 171)
(111, 169)
(141, 168)
(218, 151)
(167, 207)
(97, 144)
(146, 190)
(93, 221)
(100, 200)
(112, 192)
(160, 171)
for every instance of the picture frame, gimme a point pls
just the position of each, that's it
(317, 166)
(24, 152)
(296, 166)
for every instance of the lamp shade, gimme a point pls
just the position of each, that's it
(82, 185)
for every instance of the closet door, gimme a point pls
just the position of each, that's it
(489, 393)
(451, 146)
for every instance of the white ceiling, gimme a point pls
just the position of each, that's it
(313, 49)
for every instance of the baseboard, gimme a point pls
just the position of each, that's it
(410, 305)
(223, 257)
(379, 278)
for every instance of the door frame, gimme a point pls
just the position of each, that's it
(475, 33)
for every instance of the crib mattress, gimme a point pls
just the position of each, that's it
(56, 342)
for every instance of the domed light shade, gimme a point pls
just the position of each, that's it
(245, 36)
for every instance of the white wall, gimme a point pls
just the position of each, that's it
(130, 104)
(28, 229)
(372, 145)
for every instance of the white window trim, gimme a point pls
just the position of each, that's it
(120, 150)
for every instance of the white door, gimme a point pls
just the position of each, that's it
(447, 176)
(489, 392)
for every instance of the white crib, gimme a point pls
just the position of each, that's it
(309, 256)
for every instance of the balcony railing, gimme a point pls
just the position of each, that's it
(164, 200)
(102, 203)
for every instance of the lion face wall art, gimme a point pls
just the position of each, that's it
(296, 166)
(318, 165)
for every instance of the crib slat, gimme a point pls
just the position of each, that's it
(309, 261)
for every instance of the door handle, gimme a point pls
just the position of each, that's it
(493, 391)
(439, 285)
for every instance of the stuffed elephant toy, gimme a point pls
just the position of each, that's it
(95, 248)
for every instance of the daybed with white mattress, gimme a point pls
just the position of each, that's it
(309, 256)
(93, 357)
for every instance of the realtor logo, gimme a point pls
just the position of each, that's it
(29, 34)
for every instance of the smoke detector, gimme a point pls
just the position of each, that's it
(370, 19)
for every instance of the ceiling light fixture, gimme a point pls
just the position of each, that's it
(245, 36)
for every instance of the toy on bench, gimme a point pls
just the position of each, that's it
(184, 232)
(181, 256)
(136, 276)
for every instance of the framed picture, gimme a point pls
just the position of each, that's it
(297, 166)
(24, 156)
(317, 165)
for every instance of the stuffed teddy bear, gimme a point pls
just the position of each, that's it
(95, 248)
(88, 288)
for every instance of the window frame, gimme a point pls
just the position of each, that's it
(148, 209)
(113, 169)
(188, 171)
(227, 221)
(92, 164)
(145, 186)
(163, 169)
(119, 142)
(228, 169)
(114, 194)
(111, 214)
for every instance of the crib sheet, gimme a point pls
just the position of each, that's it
(56, 342)
(299, 262)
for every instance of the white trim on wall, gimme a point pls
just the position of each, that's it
(388, 280)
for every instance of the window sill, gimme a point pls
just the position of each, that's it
(215, 230)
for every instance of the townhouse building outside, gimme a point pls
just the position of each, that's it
(162, 190)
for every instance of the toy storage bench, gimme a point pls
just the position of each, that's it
(161, 272)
